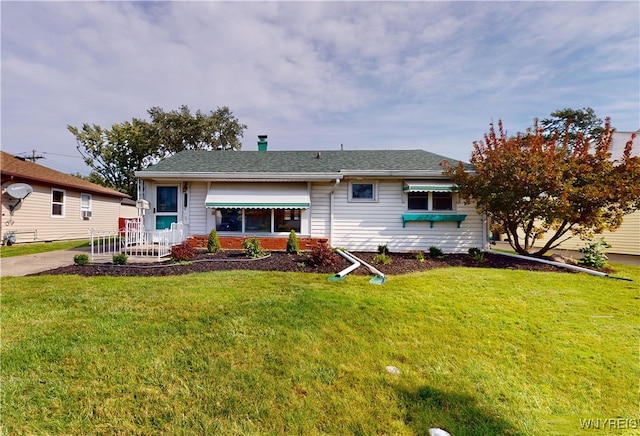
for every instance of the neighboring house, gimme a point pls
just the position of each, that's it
(625, 240)
(57, 206)
(353, 199)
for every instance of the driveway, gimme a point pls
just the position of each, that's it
(18, 266)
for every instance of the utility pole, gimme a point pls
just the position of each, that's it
(34, 157)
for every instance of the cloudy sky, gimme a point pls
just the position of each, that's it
(314, 75)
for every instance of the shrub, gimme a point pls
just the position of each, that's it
(594, 254)
(383, 249)
(476, 254)
(120, 259)
(293, 246)
(213, 244)
(382, 259)
(252, 247)
(420, 256)
(81, 259)
(323, 255)
(435, 252)
(183, 252)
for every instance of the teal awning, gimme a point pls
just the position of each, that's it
(258, 196)
(428, 186)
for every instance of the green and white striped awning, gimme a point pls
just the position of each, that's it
(258, 196)
(428, 186)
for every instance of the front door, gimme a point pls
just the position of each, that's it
(167, 206)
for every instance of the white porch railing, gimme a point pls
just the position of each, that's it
(134, 241)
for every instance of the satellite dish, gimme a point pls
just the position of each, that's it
(19, 190)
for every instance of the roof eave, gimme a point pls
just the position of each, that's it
(394, 173)
(214, 176)
(61, 184)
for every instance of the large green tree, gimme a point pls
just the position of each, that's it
(567, 123)
(534, 183)
(115, 154)
(179, 130)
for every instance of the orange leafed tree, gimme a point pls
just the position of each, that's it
(534, 183)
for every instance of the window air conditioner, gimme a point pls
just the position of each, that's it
(86, 214)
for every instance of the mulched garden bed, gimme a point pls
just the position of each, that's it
(401, 263)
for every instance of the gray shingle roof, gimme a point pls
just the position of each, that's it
(334, 161)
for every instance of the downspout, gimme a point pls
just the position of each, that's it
(551, 262)
(355, 264)
(485, 238)
(378, 279)
(331, 211)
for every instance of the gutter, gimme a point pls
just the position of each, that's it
(550, 262)
(406, 174)
(234, 176)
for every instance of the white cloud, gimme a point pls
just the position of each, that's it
(313, 75)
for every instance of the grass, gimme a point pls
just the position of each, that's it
(40, 247)
(480, 352)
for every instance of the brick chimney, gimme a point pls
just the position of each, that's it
(262, 143)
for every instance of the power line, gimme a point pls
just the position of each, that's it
(34, 157)
(64, 155)
(65, 167)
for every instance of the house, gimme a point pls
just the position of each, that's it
(42, 204)
(355, 199)
(626, 239)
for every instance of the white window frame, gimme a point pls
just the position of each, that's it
(61, 203)
(374, 187)
(89, 201)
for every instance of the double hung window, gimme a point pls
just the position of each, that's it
(57, 202)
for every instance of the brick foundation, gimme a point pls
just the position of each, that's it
(273, 243)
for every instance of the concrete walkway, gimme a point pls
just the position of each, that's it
(19, 266)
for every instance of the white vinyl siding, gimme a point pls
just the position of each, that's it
(197, 213)
(364, 226)
(357, 225)
(625, 240)
(320, 209)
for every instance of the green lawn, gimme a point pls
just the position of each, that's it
(480, 352)
(40, 247)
